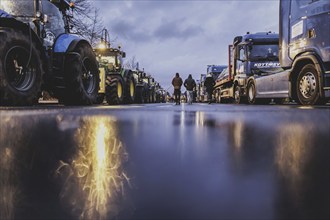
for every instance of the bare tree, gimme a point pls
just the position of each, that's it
(86, 21)
(131, 63)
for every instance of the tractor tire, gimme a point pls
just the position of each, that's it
(130, 91)
(139, 95)
(21, 69)
(100, 98)
(114, 90)
(308, 86)
(81, 77)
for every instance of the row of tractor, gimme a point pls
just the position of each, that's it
(120, 85)
(293, 65)
(39, 54)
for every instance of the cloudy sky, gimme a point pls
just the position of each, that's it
(183, 36)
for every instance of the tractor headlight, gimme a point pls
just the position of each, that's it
(49, 39)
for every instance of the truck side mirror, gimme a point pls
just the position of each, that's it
(123, 54)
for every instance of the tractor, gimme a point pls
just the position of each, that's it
(38, 53)
(117, 84)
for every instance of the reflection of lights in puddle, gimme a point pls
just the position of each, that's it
(292, 153)
(306, 107)
(97, 170)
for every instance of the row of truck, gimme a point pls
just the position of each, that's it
(293, 65)
(39, 54)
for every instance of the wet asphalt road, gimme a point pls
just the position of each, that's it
(161, 161)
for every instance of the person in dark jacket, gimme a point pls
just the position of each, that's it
(177, 83)
(209, 84)
(190, 84)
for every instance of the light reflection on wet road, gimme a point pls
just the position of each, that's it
(165, 162)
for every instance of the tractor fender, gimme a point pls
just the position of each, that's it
(4, 14)
(67, 42)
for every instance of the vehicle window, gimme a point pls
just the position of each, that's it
(263, 52)
(242, 54)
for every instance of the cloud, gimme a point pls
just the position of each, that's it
(184, 36)
(176, 29)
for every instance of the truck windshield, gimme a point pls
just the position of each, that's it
(263, 52)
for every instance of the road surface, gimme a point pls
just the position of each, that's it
(161, 161)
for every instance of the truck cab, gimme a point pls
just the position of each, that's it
(305, 49)
(254, 63)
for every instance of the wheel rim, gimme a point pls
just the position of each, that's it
(237, 94)
(20, 76)
(88, 78)
(251, 92)
(307, 85)
(119, 90)
(131, 88)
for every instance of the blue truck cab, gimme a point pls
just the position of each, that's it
(305, 49)
(253, 66)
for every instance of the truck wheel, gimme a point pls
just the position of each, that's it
(308, 86)
(114, 91)
(81, 77)
(219, 99)
(237, 95)
(251, 89)
(21, 69)
(130, 88)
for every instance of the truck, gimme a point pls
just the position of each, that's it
(38, 53)
(254, 72)
(305, 49)
(117, 84)
(215, 70)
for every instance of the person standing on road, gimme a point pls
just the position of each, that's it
(190, 84)
(177, 83)
(209, 84)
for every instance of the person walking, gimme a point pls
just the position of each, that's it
(209, 84)
(177, 83)
(190, 84)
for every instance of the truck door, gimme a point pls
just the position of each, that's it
(309, 21)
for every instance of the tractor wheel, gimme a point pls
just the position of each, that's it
(139, 95)
(81, 77)
(114, 91)
(21, 69)
(100, 98)
(308, 86)
(251, 92)
(130, 90)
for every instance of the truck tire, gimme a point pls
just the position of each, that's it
(308, 86)
(81, 77)
(114, 91)
(251, 92)
(21, 69)
(237, 95)
(130, 88)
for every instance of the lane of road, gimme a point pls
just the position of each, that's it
(161, 161)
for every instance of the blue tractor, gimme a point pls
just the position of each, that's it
(38, 53)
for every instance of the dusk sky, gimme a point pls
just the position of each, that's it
(183, 36)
